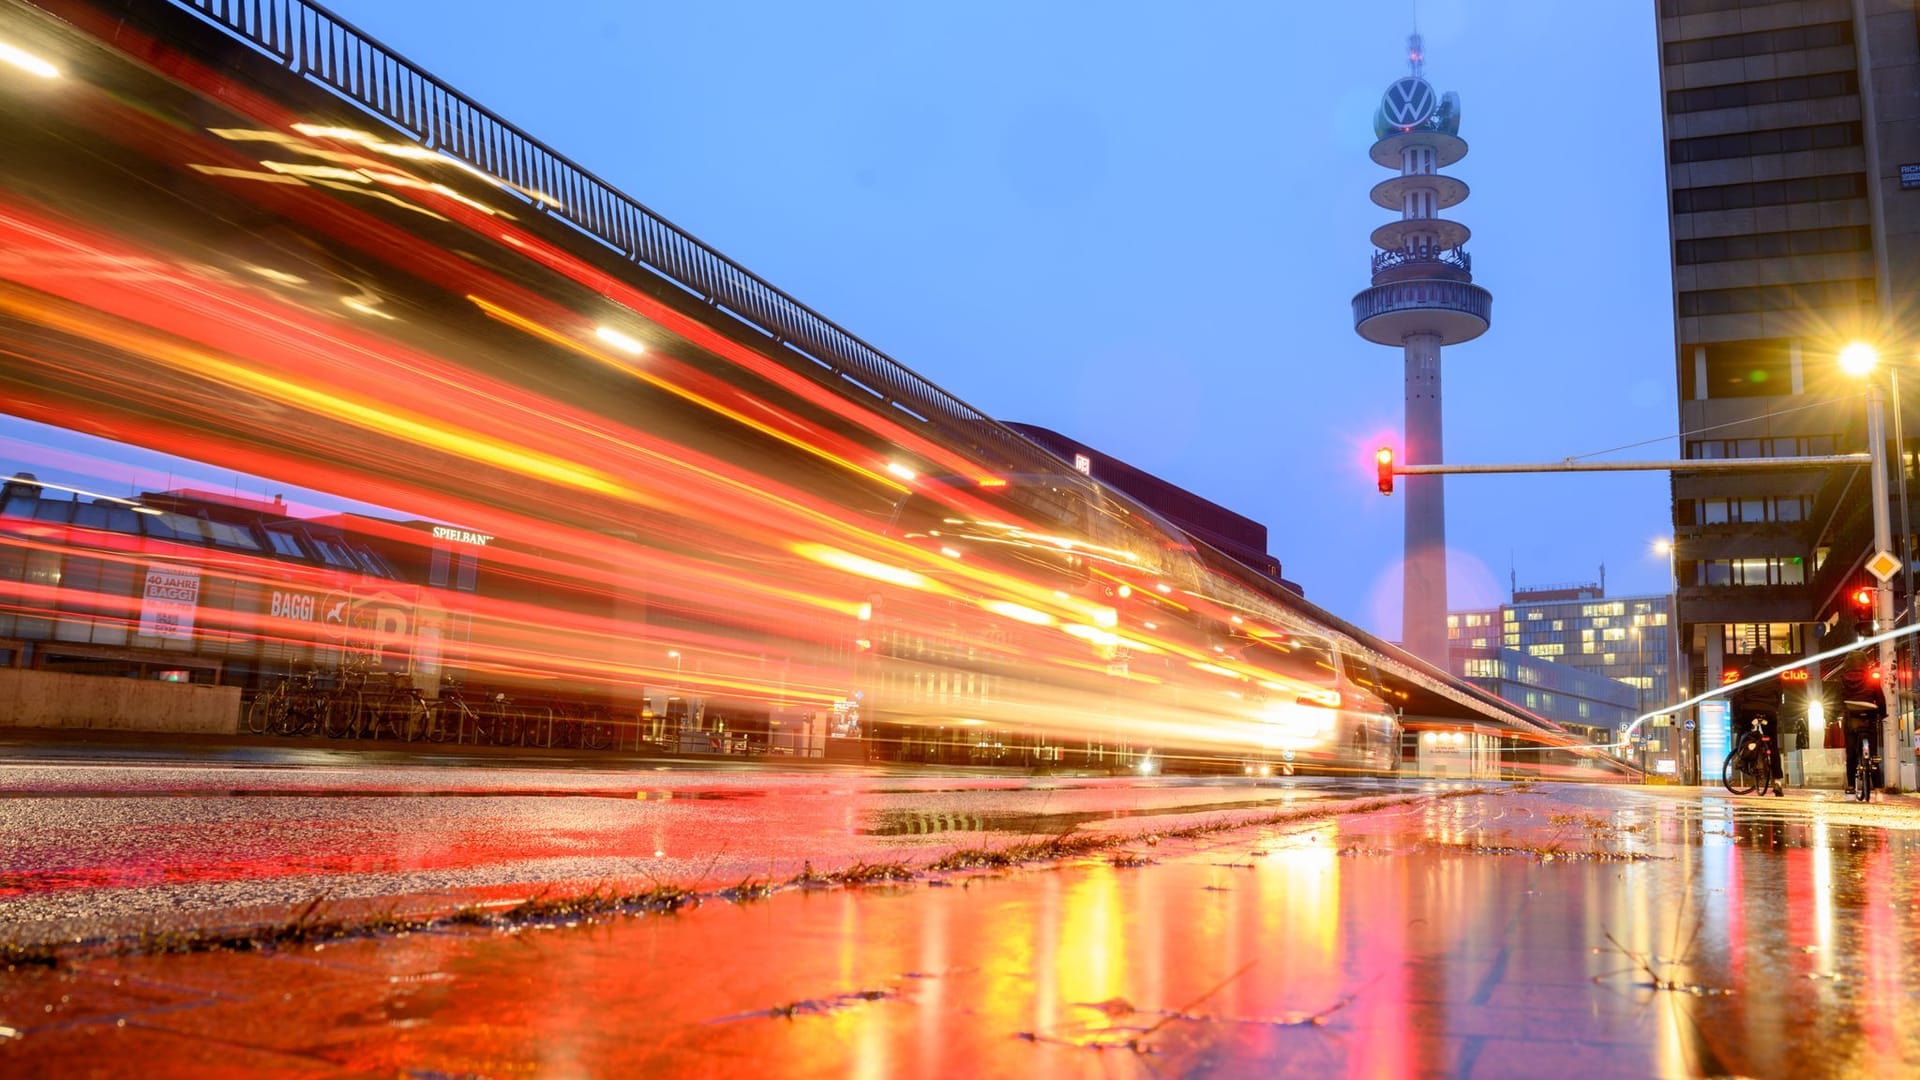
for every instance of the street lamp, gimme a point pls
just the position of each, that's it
(1859, 359)
(1686, 744)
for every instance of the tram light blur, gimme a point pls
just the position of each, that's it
(624, 342)
(1383, 457)
(27, 62)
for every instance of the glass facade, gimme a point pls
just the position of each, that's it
(1611, 654)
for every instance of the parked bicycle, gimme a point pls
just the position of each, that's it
(1866, 774)
(1750, 764)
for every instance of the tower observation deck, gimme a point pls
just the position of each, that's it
(1422, 298)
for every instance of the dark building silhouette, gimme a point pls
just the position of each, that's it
(1202, 519)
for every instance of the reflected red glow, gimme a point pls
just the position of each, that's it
(671, 510)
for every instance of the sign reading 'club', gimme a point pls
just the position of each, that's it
(1409, 102)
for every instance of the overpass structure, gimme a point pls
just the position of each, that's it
(246, 233)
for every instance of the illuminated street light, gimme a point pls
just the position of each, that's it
(1859, 359)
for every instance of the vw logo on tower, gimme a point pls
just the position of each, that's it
(1409, 102)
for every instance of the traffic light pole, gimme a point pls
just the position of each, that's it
(1882, 540)
(1816, 461)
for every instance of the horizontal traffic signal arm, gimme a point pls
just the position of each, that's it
(1817, 461)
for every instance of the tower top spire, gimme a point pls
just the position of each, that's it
(1416, 54)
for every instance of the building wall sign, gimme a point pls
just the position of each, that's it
(1910, 176)
(293, 605)
(168, 601)
(461, 536)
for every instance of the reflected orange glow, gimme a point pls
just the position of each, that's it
(698, 533)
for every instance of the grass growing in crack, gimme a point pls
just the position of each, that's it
(866, 873)
(748, 889)
(13, 955)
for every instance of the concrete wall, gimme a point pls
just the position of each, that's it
(51, 699)
(1818, 768)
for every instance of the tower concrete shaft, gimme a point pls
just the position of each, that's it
(1423, 592)
(1423, 297)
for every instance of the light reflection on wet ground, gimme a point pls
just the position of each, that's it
(87, 850)
(1595, 932)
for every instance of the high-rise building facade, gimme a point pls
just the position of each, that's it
(1793, 169)
(1608, 658)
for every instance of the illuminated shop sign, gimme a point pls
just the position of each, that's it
(461, 536)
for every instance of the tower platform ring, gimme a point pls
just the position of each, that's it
(1391, 193)
(1447, 149)
(1457, 311)
(1446, 234)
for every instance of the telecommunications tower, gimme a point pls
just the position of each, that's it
(1423, 297)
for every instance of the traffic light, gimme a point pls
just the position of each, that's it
(1861, 600)
(1383, 457)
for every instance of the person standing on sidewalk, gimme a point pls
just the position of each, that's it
(1761, 700)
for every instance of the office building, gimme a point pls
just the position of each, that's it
(1794, 190)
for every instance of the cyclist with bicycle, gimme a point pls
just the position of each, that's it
(1761, 701)
(1862, 704)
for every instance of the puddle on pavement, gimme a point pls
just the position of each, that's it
(476, 792)
(922, 823)
(1265, 952)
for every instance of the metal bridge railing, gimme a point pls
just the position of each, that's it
(317, 44)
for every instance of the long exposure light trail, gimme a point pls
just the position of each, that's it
(540, 476)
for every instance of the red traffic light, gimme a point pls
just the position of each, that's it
(1862, 599)
(1383, 457)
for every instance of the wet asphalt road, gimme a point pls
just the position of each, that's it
(92, 848)
(1554, 930)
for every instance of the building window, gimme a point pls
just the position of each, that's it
(1783, 639)
(1804, 189)
(1758, 43)
(285, 544)
(1763, 92)
(1771, 141)
(1846, 292)
(1771, 570)
(1773, 245)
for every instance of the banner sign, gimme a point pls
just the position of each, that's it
(168, 603)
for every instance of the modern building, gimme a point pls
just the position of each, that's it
(1793, 168)
(1590, 705)
(1623, 639)
(1422, 298)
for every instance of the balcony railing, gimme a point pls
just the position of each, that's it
(1461, 296)
(1454, 258)
(317, 45)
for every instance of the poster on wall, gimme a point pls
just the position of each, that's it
(167, 605)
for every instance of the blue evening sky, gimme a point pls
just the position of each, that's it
(1142, 224)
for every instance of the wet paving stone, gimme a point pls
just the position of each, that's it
(1452, 937)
